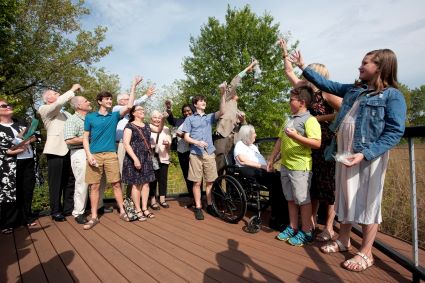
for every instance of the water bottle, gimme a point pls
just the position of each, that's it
(257, 71)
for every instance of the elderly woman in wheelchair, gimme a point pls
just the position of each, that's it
(246, 182)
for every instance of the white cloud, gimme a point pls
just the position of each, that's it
(153, 36)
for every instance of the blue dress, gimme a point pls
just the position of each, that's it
(131, 175)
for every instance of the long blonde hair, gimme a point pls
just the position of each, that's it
(319, 68)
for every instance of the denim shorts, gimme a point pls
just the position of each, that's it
(296, 185)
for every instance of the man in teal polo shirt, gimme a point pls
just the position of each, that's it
(101, 151)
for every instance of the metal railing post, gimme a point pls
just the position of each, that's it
(415, 252)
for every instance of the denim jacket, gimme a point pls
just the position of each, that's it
(380, 122)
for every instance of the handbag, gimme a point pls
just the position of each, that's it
(154, 156)
(130, 209)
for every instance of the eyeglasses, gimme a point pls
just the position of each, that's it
(5, 106)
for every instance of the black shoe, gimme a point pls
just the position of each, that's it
(198, 214)
(67, 214)
(104, 210)
(81, 219)
(210, 210)
(58, 218)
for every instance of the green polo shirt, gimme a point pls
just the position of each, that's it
(294, 155)
(102, 131)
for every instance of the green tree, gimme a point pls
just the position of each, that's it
(416, 109)
(45, 47)
(222, 50)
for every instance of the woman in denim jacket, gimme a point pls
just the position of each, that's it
(370, 122)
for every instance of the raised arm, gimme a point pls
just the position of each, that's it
(170, 119)
(151, 90)
(124, 110)
(289, 71)
(53, 109)
(316, 79)
(235, 81)
(220, 113)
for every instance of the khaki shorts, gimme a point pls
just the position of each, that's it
(108, 163)
(296, 185)
(202, 167)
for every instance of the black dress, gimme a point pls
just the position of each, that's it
(323, 180)
(131, 175)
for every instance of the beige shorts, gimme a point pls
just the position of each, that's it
(107, 162)
(202, 167)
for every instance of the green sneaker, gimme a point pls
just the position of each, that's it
(301, 238)
(286, 234)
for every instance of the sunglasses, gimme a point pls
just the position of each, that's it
(5, 106)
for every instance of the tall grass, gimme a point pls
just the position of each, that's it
(396, 204)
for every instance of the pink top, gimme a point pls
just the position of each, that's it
(162, 150)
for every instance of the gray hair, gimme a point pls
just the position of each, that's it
(75, 101)
(156, 113)
(245, 134)
(121, 95)
(44, 94)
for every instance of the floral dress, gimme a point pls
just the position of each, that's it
(131, 175)
(7, 167)
(323, 180)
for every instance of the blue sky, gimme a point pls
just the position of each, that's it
(151, 38)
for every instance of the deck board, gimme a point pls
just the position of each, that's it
(75, 264)
(9, 264)
(174, 247)
(29, 262)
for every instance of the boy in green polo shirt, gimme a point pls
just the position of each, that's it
(299, 135)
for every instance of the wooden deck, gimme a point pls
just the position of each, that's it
(173, 247)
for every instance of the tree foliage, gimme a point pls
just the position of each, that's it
(223, 50)
(44, 46)
(416, 107)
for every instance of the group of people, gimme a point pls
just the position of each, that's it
(366, 119)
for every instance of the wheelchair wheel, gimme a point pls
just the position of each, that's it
(254, 224)
(228, 199)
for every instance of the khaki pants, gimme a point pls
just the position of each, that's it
(78, 165)
(222, 148)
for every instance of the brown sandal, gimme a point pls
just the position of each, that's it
(141, 216)
(124, 217)
(92, 222)
(149, 215)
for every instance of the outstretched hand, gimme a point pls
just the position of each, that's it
(137, 80)
(151, 90)
(283, 46)
(223, 87)
(297, 59)
(252, 65)
(75, 87)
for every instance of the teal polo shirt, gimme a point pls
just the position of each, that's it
(102, 131)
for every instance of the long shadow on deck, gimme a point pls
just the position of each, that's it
(247, 264)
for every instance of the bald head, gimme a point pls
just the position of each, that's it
(80, 104)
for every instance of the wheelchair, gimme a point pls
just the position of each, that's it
(233, 192)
